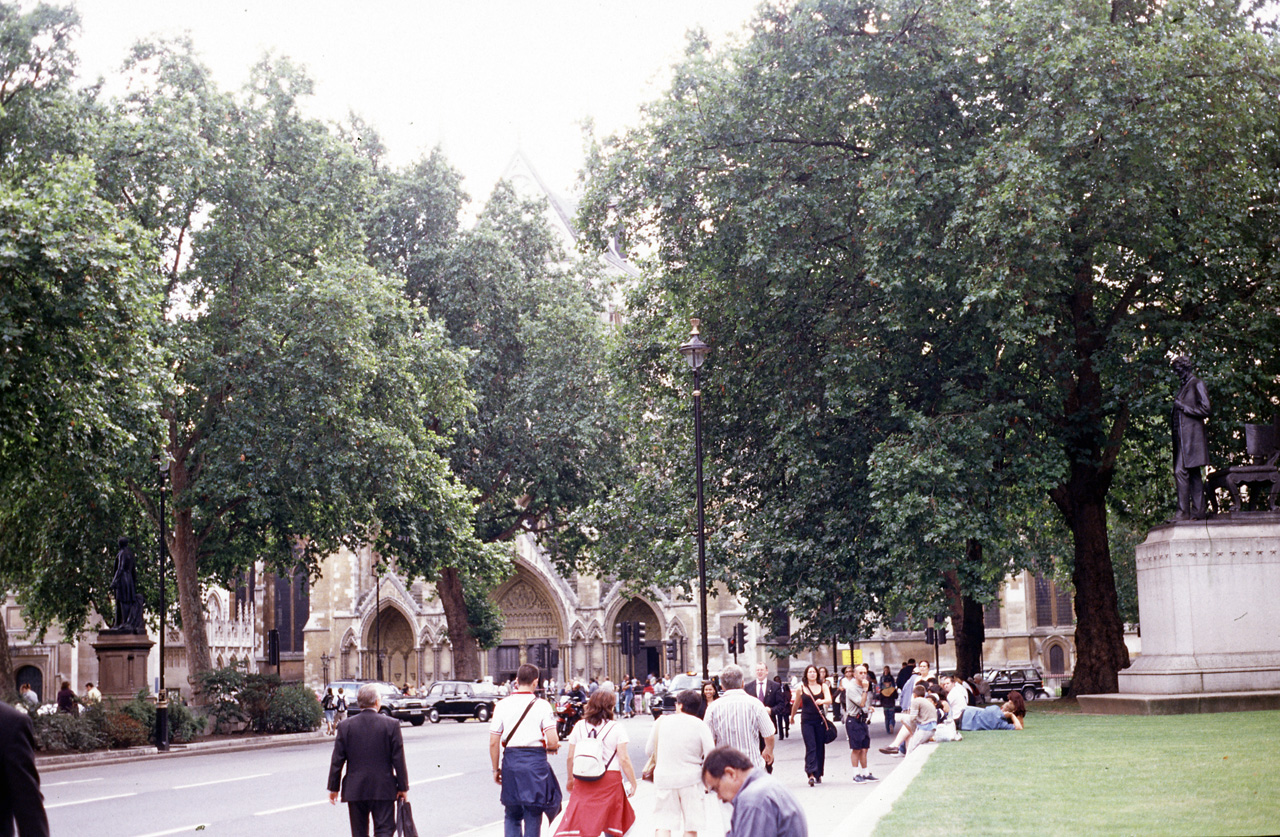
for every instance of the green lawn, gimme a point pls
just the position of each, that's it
(1068, 773)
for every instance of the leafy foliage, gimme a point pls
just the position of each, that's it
(294, 708)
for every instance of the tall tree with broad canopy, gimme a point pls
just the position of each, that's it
(538, 444)
(974, 232)
(78, 363)
(306, 393)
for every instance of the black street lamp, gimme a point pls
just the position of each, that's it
(162, 701)
(695, 352)
(377, 616)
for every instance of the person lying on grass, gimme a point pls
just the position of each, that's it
(1007, 715)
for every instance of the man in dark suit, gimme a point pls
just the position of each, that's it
(1190, 450)
(767, 692)
(20, 799)
(370, 746)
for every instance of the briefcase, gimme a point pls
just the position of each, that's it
(404, 820)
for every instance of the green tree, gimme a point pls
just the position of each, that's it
(1002, 218)
(536, 446)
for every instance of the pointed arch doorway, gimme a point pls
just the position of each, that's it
(647, 658)
(390, 632)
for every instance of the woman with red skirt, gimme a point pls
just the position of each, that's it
(600, 806)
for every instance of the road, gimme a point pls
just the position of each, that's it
(267, 792)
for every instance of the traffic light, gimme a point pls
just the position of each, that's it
(930, 636)
(733, 643)
(741, 630)
(942, 636)
(538, 655)
(671, 649)
(554, 662)
(624, 635)
(639, 629)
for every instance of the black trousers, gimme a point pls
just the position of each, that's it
(815, 746)
(383, 812)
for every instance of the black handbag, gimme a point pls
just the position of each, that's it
(404, 820)
(829, 731)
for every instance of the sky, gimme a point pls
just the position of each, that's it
(480, 78)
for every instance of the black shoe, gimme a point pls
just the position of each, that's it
(810, 781)
(819, 778)
(870, 778)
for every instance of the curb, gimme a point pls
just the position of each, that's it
(196, 748)
(866, 816)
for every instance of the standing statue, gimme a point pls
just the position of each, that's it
(1190, 450)
(125, 587)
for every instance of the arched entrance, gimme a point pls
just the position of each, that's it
(33, 677)
(395, 639)
(647, 657)
(532, 630)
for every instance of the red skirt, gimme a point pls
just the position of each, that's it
(599, 807)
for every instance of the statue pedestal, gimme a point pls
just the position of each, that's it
(1209, 610)
(122, 664)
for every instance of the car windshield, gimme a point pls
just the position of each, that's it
(684, 681)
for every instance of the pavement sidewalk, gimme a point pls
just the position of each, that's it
(67, 761)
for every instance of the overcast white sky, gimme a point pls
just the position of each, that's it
(481, 78)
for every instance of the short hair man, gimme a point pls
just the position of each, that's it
(370, 746)
(957, 696)
(522, 732)
(740, 721)
(28, 694)
(761, 806)
(20, 801)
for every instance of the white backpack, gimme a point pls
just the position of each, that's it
(588, 756)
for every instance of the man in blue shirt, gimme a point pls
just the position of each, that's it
(761, 806)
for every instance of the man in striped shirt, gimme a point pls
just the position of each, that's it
(740, 721)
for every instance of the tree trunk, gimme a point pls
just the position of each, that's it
(967, 626)
(8, 687)
(1100, 649)
(184, 549)
(466, 651)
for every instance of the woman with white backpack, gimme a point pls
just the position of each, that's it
(598, 802)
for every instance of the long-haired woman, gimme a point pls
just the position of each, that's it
(600, 806)
(809, 701)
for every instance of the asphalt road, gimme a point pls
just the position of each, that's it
(282, 790)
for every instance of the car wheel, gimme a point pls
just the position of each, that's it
(417, 722)
(482, 714)
(434, 716)
(1029, 692)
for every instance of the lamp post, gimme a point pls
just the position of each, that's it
(695, 352)
(377, 616)
(162, 700)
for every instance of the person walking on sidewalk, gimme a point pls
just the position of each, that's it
(678, 745)
(762, 807)
(741, 721)
(20, 801)
(598, 802)
(521, 734)
(369, 745)
(809, 701)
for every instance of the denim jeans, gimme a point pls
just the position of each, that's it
(522, 821)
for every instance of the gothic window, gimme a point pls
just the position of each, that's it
(293, 608)
(1053, 604)
(991, 615)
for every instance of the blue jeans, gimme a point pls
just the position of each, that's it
(522, 821)
(890, 715)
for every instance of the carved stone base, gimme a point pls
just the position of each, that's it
(122, 664)
(1209, 610)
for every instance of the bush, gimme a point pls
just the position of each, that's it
(183, 726)
(223, 687)
(293, 709)
(60, 731)
(255, 698)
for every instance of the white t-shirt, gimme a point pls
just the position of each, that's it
(610, 733)
(958, 701)
(532, 730)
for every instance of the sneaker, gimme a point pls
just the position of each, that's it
(870, 777)
(859, 779)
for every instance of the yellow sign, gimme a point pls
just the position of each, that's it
(850, 658)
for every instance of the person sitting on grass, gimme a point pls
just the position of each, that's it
(917, 725)
(1008, 715)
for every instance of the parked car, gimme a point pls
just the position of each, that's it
(665, 703)
(1025, 679)
(395, 704)
(460, 700)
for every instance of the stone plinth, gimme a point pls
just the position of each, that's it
(122, 664)
(1207, 598)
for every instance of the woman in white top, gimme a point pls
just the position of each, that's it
(600, 806)
(681, 742)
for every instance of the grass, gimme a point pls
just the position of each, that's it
(1068, 773)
